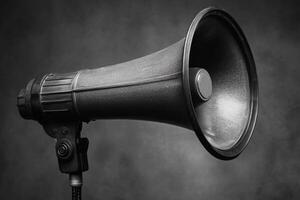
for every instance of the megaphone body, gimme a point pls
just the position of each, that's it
(205, 82)
(148, 88)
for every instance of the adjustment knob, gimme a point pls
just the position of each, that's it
(64, 149)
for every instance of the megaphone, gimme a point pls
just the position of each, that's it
(205, 82)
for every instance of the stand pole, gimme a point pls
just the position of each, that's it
(76, 184)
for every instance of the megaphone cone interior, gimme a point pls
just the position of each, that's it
(205, 82)
(225, 122)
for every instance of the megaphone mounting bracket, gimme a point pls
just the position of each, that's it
(71, 150)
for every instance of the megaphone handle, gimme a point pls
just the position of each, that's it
(71, 151)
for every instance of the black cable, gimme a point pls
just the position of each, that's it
(76, 193)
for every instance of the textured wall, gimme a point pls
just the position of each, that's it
(144, 160)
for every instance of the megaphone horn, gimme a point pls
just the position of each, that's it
(206, 82)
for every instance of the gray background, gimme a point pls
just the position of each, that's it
(146, 160)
